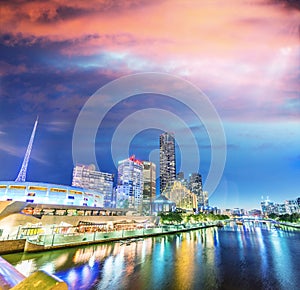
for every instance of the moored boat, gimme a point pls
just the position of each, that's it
(220, 224)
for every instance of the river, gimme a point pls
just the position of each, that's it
(249, 256)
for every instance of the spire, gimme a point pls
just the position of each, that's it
(22, 174)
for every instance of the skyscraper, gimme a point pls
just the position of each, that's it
(167, 160)
(149, 192)
(130, 183)
(195, 186)
(86, 176)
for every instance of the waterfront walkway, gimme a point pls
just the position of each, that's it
(70, 237)
(56, 241)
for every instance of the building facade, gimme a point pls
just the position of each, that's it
(292, 206)
(149, 191)
(48, 193)
(195, 186)
(181, 196)
(167, 160)
(162, 204)
(288, 207)
(129, 193)
(86, 176)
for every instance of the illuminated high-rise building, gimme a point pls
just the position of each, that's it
(86, 176)
(149, 191)
(181, 196)
(167, 160)
(195, 186)
(180, 177)
(130, 184)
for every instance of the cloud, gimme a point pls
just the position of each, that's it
(57, 126)
(9, 69)
(20, 152)
(286, 4)
(246, 51)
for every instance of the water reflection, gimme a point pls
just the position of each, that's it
(249, 256)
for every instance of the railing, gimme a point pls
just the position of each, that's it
(58, 239)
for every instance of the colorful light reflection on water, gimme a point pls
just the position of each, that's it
(253, 256)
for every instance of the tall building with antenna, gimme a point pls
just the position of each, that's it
(23, 171)
(167, 160)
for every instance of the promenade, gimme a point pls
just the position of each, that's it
(65, 237)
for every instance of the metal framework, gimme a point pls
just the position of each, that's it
(23, 171)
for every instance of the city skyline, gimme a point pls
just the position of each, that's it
(244, 55)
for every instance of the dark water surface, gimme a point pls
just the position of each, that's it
(252, 256)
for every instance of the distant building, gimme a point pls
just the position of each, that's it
(180, 177)
(149, 191)
(280, 209)
(205, 200)
(288, 207)
(130, 184)
(236, 211)
(227, 211)
(254, 212)
(181, 195)
(162, 204)
(195, 186)
(86, 176)
(291, 206)
(167, 160)
(267, 207)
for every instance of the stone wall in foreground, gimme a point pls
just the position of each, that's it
(12, 246)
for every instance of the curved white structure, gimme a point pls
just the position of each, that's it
(48, 193)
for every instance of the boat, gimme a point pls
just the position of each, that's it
(129, 241)
(220, 224)
(239, 223)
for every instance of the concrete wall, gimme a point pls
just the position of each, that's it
(10, 207)
(12, 246)
(41, 280)
(9, 275)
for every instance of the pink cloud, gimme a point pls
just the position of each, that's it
(9, 69)
(231, 46)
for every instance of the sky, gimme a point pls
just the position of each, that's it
(224, 76)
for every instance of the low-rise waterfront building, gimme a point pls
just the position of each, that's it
(162, 204)
(48, 193)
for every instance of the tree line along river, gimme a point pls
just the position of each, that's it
(248, 256)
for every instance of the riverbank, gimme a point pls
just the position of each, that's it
(59, 241)
(286, 224)
(46, 242)
(256, 254)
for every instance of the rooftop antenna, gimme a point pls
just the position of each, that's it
(23, 171)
